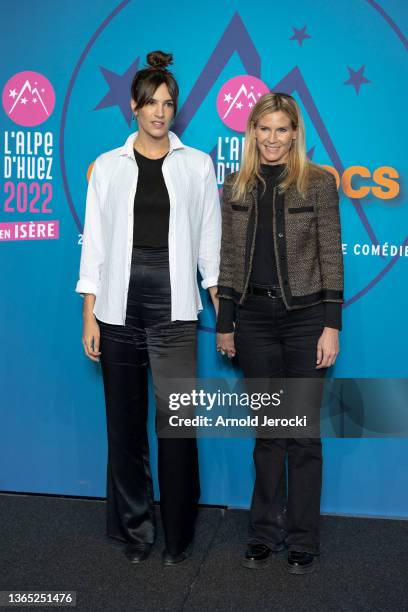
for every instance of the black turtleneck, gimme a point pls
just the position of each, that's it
(264, 271)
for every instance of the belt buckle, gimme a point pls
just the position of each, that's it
(273, 293)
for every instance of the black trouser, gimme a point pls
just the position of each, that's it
(273, 342)
(147, 338)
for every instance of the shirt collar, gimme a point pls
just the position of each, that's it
(127, 149)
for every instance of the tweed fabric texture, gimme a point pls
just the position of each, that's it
(307, 239)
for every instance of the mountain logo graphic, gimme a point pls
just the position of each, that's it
(235, 40)
(236, 99)
(28, 98)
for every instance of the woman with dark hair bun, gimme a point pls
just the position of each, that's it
(148, 80)
(152, 218)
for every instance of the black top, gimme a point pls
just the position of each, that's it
(152, 204)
(264, 270)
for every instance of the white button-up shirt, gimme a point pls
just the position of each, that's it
(194, 229)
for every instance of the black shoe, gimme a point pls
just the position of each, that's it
(301, 562)
(170, 559)
(136, 553)
(258, 555)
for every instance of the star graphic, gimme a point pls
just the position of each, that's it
(13, 93)
(258, 94)
(119, 90)
(299, 35)
(250, 105)
(239, 105)
(357, 78)
(227, 98)
(23, 100)
(42, 90)
(35, 100)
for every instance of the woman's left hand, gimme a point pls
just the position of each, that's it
(327, 348)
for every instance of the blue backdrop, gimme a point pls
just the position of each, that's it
(344, 63)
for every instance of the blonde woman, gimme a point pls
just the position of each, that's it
(281, 290)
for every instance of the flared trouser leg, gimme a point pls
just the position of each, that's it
(172, 354)
(130, 510)
(148, 338)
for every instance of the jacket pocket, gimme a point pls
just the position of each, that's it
(239, 207)
(301, 209)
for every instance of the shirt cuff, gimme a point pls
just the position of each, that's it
(226, 315)
(85, 285)
(333, 315)
(211, 281)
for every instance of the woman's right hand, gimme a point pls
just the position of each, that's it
(226, 344)
(91, 337)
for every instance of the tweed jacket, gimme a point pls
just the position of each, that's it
(306, 237)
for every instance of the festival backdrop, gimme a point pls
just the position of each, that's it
(65, 77)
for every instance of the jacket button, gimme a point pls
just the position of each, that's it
(280, 235)
(282, 257)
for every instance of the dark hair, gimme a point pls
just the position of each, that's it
(146, 81)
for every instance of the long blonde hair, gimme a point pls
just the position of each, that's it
(298, 167)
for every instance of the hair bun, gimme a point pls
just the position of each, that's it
(159, 60)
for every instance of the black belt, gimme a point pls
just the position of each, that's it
(272, 292)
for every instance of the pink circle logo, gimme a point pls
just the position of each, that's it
(236, 99)
(28, 98)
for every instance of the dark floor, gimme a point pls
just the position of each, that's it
(50, 543)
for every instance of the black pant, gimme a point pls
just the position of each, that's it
(147, 338)
(273, 342)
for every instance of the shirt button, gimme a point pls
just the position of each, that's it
(280, 235)
(279, 212)
(282, 257)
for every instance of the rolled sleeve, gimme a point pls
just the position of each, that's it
(93, 252)
(210, 237)
(211, 281)
(85, 285)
